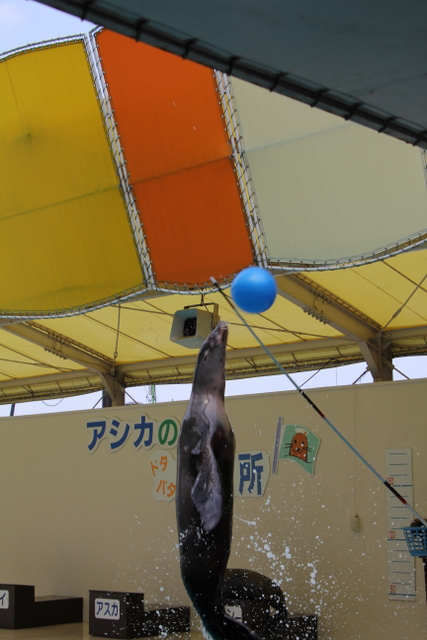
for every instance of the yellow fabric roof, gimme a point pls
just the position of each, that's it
(63, 221)
(335, 211)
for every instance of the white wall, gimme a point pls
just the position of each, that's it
(73, 520)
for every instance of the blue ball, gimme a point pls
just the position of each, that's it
(254, 290)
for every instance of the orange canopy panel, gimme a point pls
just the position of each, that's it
(177, 154)
(192, 234)
(64, 233)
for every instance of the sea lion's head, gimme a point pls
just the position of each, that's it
(209, 376)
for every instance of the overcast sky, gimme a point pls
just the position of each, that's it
(24, 22)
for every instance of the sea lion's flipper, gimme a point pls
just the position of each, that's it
(207, 491)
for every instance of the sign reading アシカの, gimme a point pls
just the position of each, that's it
(142, 433)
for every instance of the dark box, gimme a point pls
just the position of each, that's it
(118, 614)
(115, 614)
(260, 619)
(19, 609)
(163, 620)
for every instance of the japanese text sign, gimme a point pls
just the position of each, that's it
(163, 469)
(107, 609)
(251, 473)
(144, 433)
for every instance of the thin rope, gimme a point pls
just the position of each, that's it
(316, 372)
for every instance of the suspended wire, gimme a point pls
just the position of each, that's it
(116, 350)
(158, 313)
(396, 313)
(103, 394)
(361, 375)
(278, 328)
(53, 405)
(401, 373)
(297, 334)
(131, 337)
(325, 364)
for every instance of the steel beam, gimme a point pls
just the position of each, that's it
(294, 356)
(60, 345)
(352, 323)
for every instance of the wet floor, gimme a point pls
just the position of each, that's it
(75, 631)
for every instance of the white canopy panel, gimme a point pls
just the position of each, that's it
(323, 184)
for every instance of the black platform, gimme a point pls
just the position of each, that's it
(20, 609)
(273, 626)
(118, 614)
(259, 602)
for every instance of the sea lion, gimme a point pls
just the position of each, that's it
(204, 497)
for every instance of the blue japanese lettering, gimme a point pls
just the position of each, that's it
(250, 472)
(114, 431)
(98, 433)
(142, 427)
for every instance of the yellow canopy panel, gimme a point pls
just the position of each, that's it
(319, 319)
(64, 234)
(392, 292)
